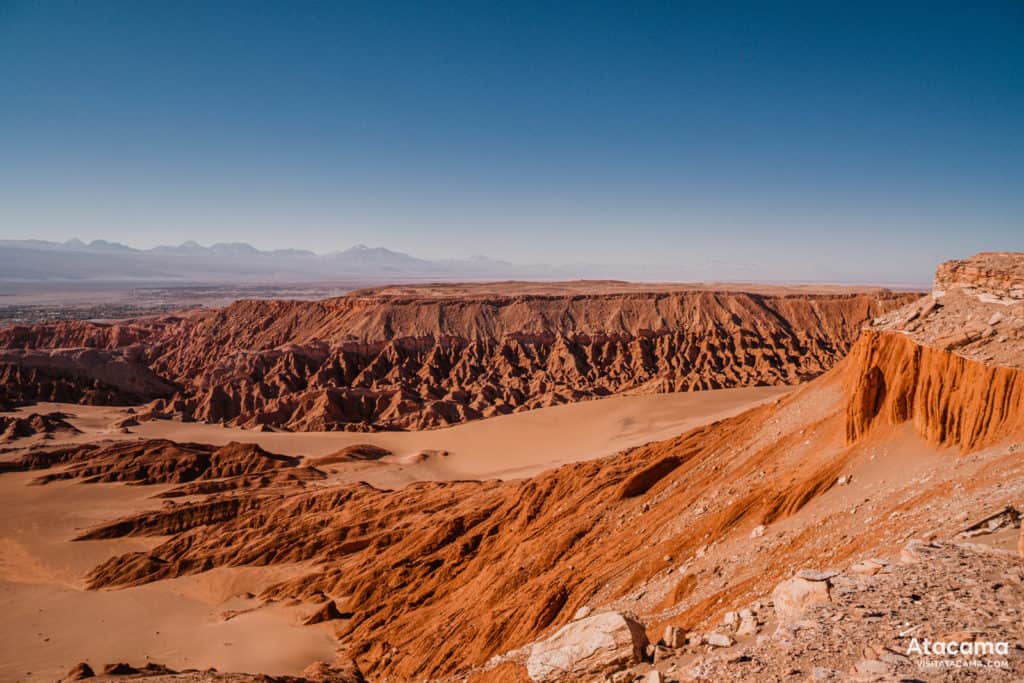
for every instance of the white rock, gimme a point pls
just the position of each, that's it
(718, 640)
(758, 531)
(595, 645)
(794, 596)
(816, 574)
(581, 613)
(674, 637)
(747, 627)
(655, 677)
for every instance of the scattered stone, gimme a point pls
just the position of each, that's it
(747, 627)
(674, 637)
(912, 553)
(343, 670)
(594, 645)
(718, 640)
(866, 568)
(871, 666)
(1005, 517)
(794, 596)
(816, 575)
(758, 531)
(844, 480)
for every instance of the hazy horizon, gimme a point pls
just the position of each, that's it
(804, 144)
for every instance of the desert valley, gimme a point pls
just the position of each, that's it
(521, 481)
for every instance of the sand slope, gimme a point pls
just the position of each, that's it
(53, 622)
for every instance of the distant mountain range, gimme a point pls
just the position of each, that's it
(75, 260)
(37, 261)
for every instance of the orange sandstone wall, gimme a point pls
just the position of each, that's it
(952, 401)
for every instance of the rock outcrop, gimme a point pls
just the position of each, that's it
(155, 461)
(371, 361)
(877, 626)
(951, 400)
(997, 274)
(952, 363)
(593, 646)
(86, 376)
(13, 428)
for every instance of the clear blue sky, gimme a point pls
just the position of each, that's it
(812, 140)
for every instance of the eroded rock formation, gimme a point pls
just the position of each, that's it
(14, 428)
(445, 578)
(953, 362)
(369, 361)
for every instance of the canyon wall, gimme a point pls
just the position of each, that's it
(365, 362)
(951, 400)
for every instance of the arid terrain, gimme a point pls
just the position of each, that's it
(419, 358)
(519, 482)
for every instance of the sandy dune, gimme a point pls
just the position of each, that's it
(182, 622)
(55, 623)
(510, 446)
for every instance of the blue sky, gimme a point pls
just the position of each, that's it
(836, 141)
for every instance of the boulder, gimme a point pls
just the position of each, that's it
(748, 626)
(817, 574)
(866, 568)
(595, 645)
(794, 596)
(119, 669)
(80, 672)
(718, 640)
(674, 637)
